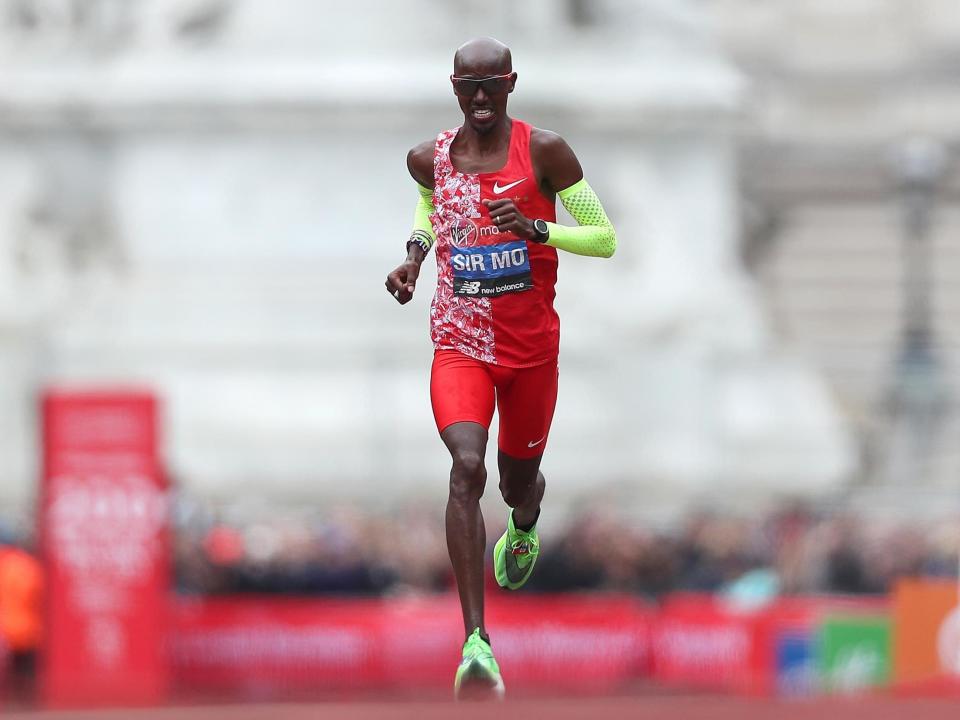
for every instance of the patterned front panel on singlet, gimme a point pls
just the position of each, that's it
(495, 290)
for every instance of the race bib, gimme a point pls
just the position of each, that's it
(491, 270)
(483, 267)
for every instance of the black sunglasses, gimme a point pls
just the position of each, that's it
(467, 87)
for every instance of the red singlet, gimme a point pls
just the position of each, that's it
(495, 290)
(492, 322)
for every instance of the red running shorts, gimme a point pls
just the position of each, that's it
(463, 389)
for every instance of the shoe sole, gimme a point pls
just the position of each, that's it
(477, 684)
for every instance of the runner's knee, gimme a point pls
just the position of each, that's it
(468, 475)
(514, 496)
(517, 491)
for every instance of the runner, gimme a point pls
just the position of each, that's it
(487, 202)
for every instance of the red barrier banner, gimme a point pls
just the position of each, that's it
(104, 540)
(257, 646)
(701, 641)
(572, 641)
(262, 646)
(698, 643)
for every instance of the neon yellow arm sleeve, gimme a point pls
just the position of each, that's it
(594, 236)
(422, 227)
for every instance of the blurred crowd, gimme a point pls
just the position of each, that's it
(347, 550)
(338, 549)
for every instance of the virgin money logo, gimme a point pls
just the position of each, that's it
(464, 233)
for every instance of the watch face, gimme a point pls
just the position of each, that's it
(540, 226)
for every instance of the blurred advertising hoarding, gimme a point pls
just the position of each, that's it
(700, 641)
(854, 653)
(926, 615)
(789, 647)
(104, 533)
(274, 646)
(262, 646)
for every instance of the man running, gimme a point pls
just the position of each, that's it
(487, 202)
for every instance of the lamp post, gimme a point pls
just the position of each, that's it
(918, 395)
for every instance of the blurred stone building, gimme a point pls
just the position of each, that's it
(852, 211)
(203, 197)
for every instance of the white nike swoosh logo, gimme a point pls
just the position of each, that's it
(534, 444)
(497, 189)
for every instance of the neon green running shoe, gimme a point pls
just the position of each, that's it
(478, 676)
(514, 555)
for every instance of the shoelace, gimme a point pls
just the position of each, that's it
(476, 646)
(530, 540)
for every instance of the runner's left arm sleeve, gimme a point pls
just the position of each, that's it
(422, 233)
(594, 236)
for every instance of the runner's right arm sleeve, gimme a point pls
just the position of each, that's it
(422, 233)
(594, 236)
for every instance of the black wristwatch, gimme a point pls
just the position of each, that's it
(541, 233)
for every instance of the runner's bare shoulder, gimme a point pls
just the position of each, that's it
(554, 160)
(420, 163)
